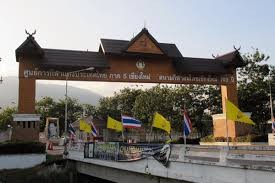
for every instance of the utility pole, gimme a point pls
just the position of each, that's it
(66, 104)
(270, 97)
(1, 78)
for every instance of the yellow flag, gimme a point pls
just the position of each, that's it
(235, 114)
(160, 122)
(85, 126)
(114, 124)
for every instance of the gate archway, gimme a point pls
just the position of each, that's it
(141, 59)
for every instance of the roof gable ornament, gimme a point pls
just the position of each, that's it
(237, 49)
(232, 58)
(30, 34)
(215, 56)
(144, 42)
(29, 48)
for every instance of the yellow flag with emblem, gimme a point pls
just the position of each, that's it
(86, 127)
(235, 114)
(114, 124)
(160, 122)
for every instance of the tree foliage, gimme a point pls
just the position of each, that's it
(253, 88)
(6, 117)
(167, 100)
(47, 107)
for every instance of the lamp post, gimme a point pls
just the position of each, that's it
(66, 101)
(270, 97)
(1, 79)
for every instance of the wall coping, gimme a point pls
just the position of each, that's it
(26, 117)
(21, 161)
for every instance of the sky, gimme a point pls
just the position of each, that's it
(199, 28)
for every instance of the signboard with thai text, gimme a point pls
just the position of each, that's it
(132, 77)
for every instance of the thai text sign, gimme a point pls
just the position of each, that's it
(132, 77)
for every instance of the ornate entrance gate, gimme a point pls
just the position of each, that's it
(142, 60)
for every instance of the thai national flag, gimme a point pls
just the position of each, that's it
(130, 122)
(94, 130)
(71, 130)
(273, 125)
(187, 125)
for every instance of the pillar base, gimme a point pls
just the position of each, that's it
(235, 129)
(271, 139)
(25, 127)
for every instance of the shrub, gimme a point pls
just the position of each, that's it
(180, 140)
(259, 138)
(209, 138)
(247, 138)
(22, 148)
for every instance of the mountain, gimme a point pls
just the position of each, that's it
(9, 92)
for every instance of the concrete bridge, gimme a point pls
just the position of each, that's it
(206, 164)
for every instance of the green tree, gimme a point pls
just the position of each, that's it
(156, 99)
(108, 106)
(201, 101)
(126, 100)
(253, 88)
(206, 100)
(45, 107)
(74, 111)
(6, 117)
(89, 110)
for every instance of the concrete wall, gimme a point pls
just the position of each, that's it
(119, 175)
(21, 161)
(4, 135)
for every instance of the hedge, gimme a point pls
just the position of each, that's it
(22, 148)
(247, 138)
(180, 140)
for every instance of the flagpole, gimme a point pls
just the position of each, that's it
(122, 134)
(151, 130)
(122, 129)
(150, 134)
(226, 124)
(184, 136)
(270, 97)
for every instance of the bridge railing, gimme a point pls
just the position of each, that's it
(220, 155)
(224, 155)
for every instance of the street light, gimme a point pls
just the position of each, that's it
(66, 100)
(1, 79)
(270, 97)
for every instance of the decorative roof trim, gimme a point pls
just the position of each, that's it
(144, 31)
(30, 40)
(232, 58)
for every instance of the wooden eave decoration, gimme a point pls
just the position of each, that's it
(29, 48)
(144, 42)
(232, 59)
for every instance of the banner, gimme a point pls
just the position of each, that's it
(123, 152)
(88, 150)
(134, 152)
(106, 150)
